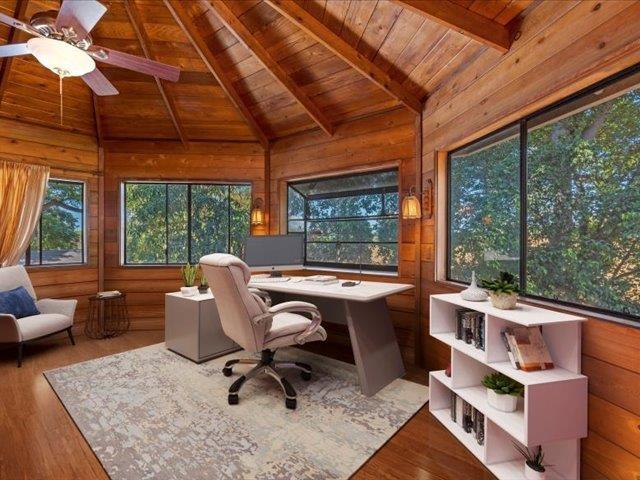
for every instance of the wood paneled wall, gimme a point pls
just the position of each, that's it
(563, 47)
(145, 286)
(372, 143)
(70, 156)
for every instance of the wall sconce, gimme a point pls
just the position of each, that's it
(257, 212)
(411, 206)
(412, 209)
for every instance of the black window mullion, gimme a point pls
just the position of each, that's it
(166, 223)
(189, 213)
(523, 206)
(229, 219)
(40, 239)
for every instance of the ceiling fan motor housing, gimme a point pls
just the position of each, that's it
(45, 23)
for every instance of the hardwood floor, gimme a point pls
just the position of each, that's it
(40, 441)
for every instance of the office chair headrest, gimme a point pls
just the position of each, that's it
(227, 260)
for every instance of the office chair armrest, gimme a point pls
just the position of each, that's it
(301, 307)
(9, 330)
(264, 296)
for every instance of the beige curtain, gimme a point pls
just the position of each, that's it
(22, 189)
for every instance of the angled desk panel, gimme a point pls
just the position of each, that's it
(364, 310)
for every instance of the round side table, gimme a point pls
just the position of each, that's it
(108, 316)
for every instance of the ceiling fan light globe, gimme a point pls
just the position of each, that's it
(61, 58)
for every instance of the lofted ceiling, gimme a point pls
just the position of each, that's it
(256, 70)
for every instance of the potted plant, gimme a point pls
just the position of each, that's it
(502, 392)
(503, 291)
(534, 466)
(189, 273)
(204, 283)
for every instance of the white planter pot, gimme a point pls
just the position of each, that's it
(188, 291)
(504, 403)
(504, 301)
(531, 474)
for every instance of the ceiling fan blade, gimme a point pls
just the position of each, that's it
(12, 22)
(99, 83)
(81, 15)
(131, 62)
(14, 49)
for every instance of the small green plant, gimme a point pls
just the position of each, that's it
(506, 283)
(503, 385)
(189, 274)
(203, 280)
(533, 458)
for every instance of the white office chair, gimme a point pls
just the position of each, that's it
(247, 320)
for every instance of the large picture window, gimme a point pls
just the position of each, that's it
(348, 221)
(59, 238)
(556, 200)
(176, 223)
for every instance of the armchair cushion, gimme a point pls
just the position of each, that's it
(63, 307)
(43, 324)
(18, 303)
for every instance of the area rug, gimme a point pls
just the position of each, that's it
(151, 414)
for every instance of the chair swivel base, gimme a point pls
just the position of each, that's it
(267, 365)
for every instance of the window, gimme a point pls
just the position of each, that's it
(59, 237)
(556, 199)
(347, 221)
(176, 223)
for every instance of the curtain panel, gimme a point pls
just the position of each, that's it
(22, 190)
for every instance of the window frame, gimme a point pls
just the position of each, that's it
(83, 228)
(377, 190)
(522, 124)
(189, 184)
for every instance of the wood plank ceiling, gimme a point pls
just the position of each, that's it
(255, 70)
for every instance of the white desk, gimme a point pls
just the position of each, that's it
(364, 310)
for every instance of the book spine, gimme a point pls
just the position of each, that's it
(507, 346)
(514, 349)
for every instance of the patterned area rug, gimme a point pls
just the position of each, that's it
(149, 413)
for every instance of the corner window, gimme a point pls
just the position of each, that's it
(59, 238)
(176, 223)
(556, 200)
(347, 221)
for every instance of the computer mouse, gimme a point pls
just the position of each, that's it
(349, 284)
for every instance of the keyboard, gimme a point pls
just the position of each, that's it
(269, 279)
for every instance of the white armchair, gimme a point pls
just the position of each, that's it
(55, 316)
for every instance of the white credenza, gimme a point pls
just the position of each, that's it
(192, 327)
(553, 412)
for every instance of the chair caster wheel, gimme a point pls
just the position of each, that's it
(290, 403)
(233, 399)
(306, 376)
(226, 371)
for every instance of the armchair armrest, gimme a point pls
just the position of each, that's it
(9, 331)
(300, 307)
(63, 307)
(264, 296)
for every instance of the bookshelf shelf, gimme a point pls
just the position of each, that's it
(553, 412)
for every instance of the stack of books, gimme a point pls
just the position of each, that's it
(526, 348)
(470, 327)
(470, 419)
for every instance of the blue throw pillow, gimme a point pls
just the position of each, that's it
(18, 303)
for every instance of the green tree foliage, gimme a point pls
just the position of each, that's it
(583, 207)
(157, 219)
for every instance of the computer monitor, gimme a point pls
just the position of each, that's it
(274, 253)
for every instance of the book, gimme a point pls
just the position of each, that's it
(108, 294)
(478, 427)
(478, 332)
(531, 348)
(467, 422)
(459, 410)
(454, 399)
(514, 363)
(459, 320)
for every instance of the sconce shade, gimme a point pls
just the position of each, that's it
(410, 207)
(257, 214)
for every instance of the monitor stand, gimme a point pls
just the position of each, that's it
(275, 274)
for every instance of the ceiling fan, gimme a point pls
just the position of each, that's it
(63, 44)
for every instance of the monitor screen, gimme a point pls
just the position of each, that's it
(275, 251)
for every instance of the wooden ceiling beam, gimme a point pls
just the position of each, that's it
(138, 26)
(462, 20)
(185, 22)
(244, 36)
(18, 13)
(321, 33)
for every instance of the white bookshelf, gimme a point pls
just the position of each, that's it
(553, 412)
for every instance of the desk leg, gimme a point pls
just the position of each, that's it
(374, 344)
